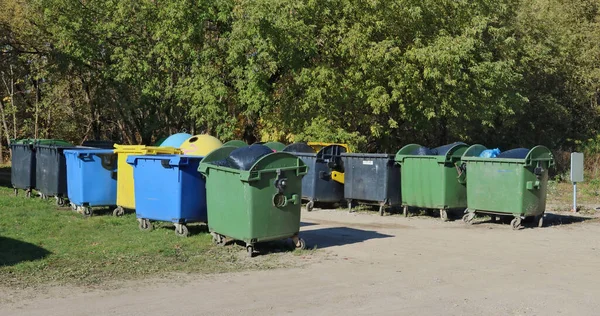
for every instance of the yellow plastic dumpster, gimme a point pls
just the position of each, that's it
(125, 191)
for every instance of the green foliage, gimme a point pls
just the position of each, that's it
(374, 74)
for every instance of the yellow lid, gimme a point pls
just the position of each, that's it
(200, 145)
(146, 150)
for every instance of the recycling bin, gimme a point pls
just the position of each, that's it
(51, 171)
(22, 172)
(256, 205)
(371, 179)
(432, 180)
(168, 188)
(320, 145)
(125, 181)
(91, 178)
(515, 187)
(319, 184)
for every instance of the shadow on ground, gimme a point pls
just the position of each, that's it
(338, 236)
(5, 177)
(550, 219)
(14, 251)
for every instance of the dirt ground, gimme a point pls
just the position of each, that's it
(371, 265)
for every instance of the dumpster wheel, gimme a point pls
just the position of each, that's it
(405, 210)
(540, 220)
(119, 211)
(381, 210)
(299, 243)
(60, 201)
(516, 223)
(468, 218)
(16, 192)
(28, 194)
(217, 239)
(146, 225)
(444, 215)
(310, 205)
(181, 230)
(87, 211)
(250, 250)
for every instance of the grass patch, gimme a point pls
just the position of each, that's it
(41, 243)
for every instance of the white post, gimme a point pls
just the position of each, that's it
(574, 197)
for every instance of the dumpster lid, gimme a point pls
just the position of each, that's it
(448, 151)
(537, 153)
(299, 147)
(89, 151)
(235, 143)
(367, 155)
(143, 149)
(276, 146)
(171, 160)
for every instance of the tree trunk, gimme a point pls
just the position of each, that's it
(4, 125)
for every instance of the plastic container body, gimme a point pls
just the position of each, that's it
(506, 186)
(51, 170)
(169, 188)
(373, 178)
(432, 181)
(22, 173)
(261, 204)
(175, 140)
(125, 182)
(91, 177)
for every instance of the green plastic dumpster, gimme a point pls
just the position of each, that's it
(258, 205)
(507, 186)
(432, 181)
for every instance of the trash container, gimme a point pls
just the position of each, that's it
(256, 205)
(22, 171)
(235, 143)
(175, 140)
(371, 179)
(168, 188)
(200, 145)
(319, 184)
(51, 171)
(430, 178)
(104, 144)
(91, 178)
(515, 187)
(125, 182)
(276, 146)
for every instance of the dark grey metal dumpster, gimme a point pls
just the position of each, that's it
(371, 179)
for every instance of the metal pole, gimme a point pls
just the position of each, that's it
(574, 197)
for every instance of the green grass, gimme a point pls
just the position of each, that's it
(41, 243)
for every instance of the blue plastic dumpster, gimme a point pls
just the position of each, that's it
(168, 188)
(91, 179)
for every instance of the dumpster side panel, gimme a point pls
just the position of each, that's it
(125, 188)
(227, 198)
(317, 184)
(534, 198)
(454, 193)
(245, 211)
(496, 186)
(169, 193)
(22, 172)
(89, 180)
(269, 222)
(372, 178)
(422, 182)
(51, 170)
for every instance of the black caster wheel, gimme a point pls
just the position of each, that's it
(405, 211)
(309, 206)
(119, 211)
(250, 251)
(60, 201)
(444, 215)
(73, 206)
(349, 206)
(381, 210)
(16, 192)
(181, 230)
(516, 223)
(468, 218)
(146, 225)
(87, 211)
(28, 194)
(540, 220)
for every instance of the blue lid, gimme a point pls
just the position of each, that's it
(88, 151)
(174, 160)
